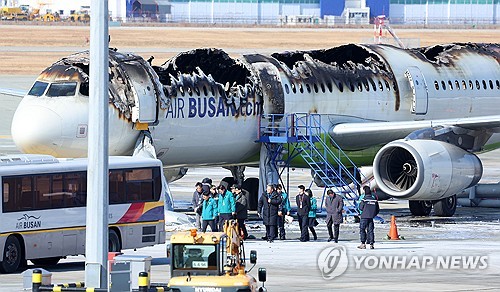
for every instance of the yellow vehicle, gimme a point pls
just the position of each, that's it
(13, 13)
(211, 261)
(49, 17)
(79, 16)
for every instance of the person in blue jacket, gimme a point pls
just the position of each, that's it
(312, 214)
(285, 210)
(208, 213)
(226, 206)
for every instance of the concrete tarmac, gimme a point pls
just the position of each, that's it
(471, 236)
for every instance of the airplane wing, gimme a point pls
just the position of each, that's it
(354, 136)
(13, 92)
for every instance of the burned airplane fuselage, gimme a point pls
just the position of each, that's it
(203, 107)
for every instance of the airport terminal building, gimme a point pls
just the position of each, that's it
(288, 12)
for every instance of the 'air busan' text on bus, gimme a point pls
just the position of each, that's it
(209, 107)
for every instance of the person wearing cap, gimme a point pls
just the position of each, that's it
(269, 204)
(226, 206)
(303, 207)
(285, 210)
(241, 209)
(369, 208)
(334, 205)
(209, 211)
(196, 202)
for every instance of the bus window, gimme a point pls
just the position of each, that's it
(8, 196)
(73, 189)
(42, 191)
(116, 187)
(139, 184)
(26, 191)
(57, 195)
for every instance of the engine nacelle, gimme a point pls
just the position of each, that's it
(173, 174)
(425, 169)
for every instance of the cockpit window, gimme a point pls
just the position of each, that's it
(38, 88)
(62, 89)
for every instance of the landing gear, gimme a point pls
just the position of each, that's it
(420, 208)
(13, 256)
(445, 207)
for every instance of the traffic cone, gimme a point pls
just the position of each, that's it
(393, 232)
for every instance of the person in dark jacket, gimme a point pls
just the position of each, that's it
(303, 208)
(334, 205)
(196, 202)
(241, 209)
(312, 214)
(369, 208)
(268, 207)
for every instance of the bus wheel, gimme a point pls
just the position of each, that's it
(46, 261)
(114, 241)
(12, 255)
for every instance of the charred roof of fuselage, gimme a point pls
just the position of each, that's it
(447, 53)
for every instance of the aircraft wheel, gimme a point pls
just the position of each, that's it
(13, 257)
(445, 207)
(251, 185)
(114, 241)
(420, 208)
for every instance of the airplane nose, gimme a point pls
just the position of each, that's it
(36, 129)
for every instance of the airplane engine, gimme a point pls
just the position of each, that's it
(425, 169)
(173, 174)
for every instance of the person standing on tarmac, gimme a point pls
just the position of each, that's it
(334, 205)
(303, 207)
(311, 220)
(241, 209)
(208, 213)
(226, 206)
(369, 208)
(215, 195)
(196, 202)
(285, 210)
(268, 207)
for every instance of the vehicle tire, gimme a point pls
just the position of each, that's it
(420, 208)
(13, 256)
(445, 207)
(46, 261)
(114, 241)
(251, 185)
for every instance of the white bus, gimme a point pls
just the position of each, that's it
(43, 213)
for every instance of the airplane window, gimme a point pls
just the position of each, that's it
(84, 89)
(380, 86)
(457, 85)
(341, 87)
(181, 90)
(471, 85)
(205, 91)
(294, 90)
(351, 86)
(464, 85)
(213, 91)
(478, 86)
(62, 89)
(39, 88)
(190, 91)
(308, 88)
(387, 85)
(365, 83)
(373, 85)
(443, 85)
(221, 91)
(484, 84)
(323, 87)
(491, 84)
(287, 90)
(316, 87)
(197, 90)
(360, 87)
(301, 89)
(330, 87)
(436, 84)
(498, 84)
(450, 84)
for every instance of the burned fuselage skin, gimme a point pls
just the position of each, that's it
(203, 107)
